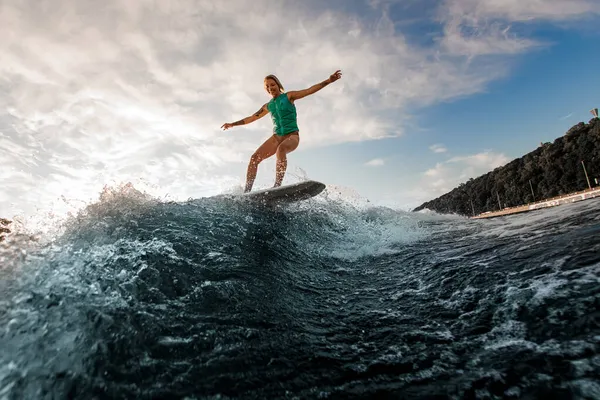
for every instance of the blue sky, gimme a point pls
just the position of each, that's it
(433, 93)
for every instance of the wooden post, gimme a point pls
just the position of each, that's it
(531, 186)
(586, 175)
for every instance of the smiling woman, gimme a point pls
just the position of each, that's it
(285, 138)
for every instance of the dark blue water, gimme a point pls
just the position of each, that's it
(140, 299)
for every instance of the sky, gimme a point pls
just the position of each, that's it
(434, 92)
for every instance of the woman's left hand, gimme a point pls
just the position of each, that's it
(335, 76)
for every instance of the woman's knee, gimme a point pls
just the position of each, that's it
(254, 159)
(280, 153)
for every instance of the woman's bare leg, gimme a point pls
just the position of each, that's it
(266, 150)
(288, 144)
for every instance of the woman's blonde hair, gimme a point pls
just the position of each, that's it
(276, 81)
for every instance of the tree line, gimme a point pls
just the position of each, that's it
(553, 169)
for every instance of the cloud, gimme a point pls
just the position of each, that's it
(376, 162)
(566, 117)
(487, 27)
(447, 175)
(118, 92)
(96, 93)
(438, 148)
(517, 10)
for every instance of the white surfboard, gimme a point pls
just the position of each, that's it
(286, 194)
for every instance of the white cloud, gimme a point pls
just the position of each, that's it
(118, 92)
(566, 116)
(518, 10)
(485, 27)
(95, 93)
(376, 162)
(447, 175)
(438, 148)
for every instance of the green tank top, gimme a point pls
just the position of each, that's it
(283, 114)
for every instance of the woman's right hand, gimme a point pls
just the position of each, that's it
(227, 126)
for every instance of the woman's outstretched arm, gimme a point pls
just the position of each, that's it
(298, 94)
(244, 121)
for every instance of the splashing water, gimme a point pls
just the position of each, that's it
(140, 298)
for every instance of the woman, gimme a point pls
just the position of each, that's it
(285, 136)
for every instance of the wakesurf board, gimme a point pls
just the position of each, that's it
(286, 194)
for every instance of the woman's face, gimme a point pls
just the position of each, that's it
(271, 87)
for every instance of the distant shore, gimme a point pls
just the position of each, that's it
(552, 202)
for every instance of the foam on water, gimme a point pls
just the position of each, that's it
(138, 297)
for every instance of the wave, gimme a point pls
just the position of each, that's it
(139, 297)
